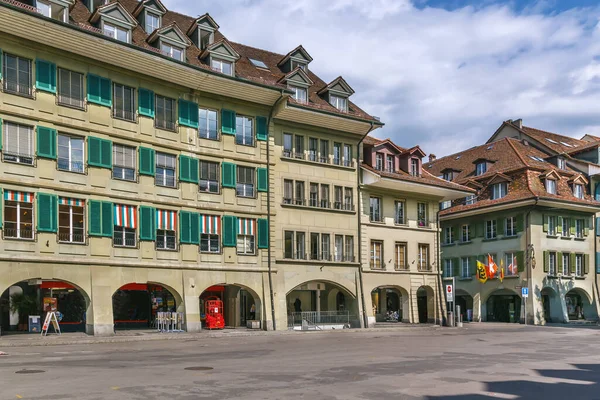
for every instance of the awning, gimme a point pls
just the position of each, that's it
(166, 220)
(125, 216)
(56, 285)
(67, 201)
(246, 226)
(24, 197)
(210, 224)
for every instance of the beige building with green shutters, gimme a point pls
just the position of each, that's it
(145, 169)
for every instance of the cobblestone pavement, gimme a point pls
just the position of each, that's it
(480, 361)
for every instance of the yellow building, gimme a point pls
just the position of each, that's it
(146, 166)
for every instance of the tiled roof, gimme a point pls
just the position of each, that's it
(554, 141)
(80, 16)
(371, 141)
(426, 178)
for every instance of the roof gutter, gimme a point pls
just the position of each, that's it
(373, 123)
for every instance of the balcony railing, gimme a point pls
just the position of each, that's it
(12, 233)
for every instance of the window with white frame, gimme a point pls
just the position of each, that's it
(315, 246)
(423, 257)
(124, 102)
(18, 143)
(341, 103)
(152, 22)
(338, 248)
(245, 236)
(422, 215)
(116, 32)
(71, 220)
(324, 151)
(70, 89)
(245, 181)
(16, 75)
(399, 215)
(299, 193)
(552, 263)
(347, 155)
(325, 247)
(164, 117)
(510, 260)
(445, 204)
(470, 199)
(124, 162)
(375, 209)
(379, 162)
(209, 177)
(400, 262)
(325, 196)
(288, 148)
(244, 134)
(166, 221)
(562, 164)
(578, 190)
(448, 270)
(448, 235)
(207, 128)
(313, 145)
(566, 262)
(288, 245)
(465, 267)
(225, 67)
(299, 150)
(125, 224)
(465, 233)
(551, 225)
(579, 223)
(300, 94)
(18, 215)
(165, 170)
(338, 194)
(209, 234)
(389, 163)
(551, 186)
(578, 264)
(52, 10)
(490, 229)
(172, 51)
(566, 227)
(337, 153)
(348, 199)
(376, 254)
(480, 168)
(70, 153)
(415, 167)
(349, 248)
(510, 228)
(499, 190)
(313, 199)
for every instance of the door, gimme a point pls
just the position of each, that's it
(422, 306)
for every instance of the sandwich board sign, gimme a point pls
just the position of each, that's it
(50, 319)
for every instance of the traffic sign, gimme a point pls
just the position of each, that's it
(449, 293)
(525, 291)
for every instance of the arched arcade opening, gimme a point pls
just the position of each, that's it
(502, 305)
(242, 307)
(579, 305)
(135, 305)
(390, 304)
(426, 305)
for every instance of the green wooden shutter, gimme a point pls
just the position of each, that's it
(188, 114)
(147, 223)
(597, 259)
(262, 181)
(454, 234)
(45, 76)
(108, 223)
(572, 267)
(586, 226)
(47, 212)
(229, 231)
(1, 61)
(597, 218)
(262, 132)
(99, 90)
(1, 189)
(195, 228)
(263, 233)
(472, 265)
(228, 175)
(500, 222)
(559, 221)
(1, 134)
(189, 226)
(147, 163)
(520, 222)
(456, 266)
(586, 264)
(572, 229)
(545, 220)
(227, 122)
(95, 218)
(188, 169)
(46, 142)
(546, 261)
(146, 102)
(520, 255)
(559, 263)
(99, 152)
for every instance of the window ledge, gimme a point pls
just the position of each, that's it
(580, 239)
(566, 238)
(489, 240)
(316, 163)
(510, 237)
(321, 262)
(336, 210)
(73, 243)
(470, 278)
(447, 244)
(512, 277)
(579, 278)
(463, 243)
(552, 236)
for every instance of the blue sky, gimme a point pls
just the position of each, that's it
(441, 74)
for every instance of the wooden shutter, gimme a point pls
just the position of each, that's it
(146, 102)
(520, 256)
(108, 223)
(597, 218)
(572, 266)
(1, 189)
(45, 76)
(228, 175)
(1, 61)
(586, 264)
(228, 122)
(500, 222)
(147, 161)
(559, 221)
(47, 212)
(189, 226)
(99, 90)
(545, 220)
(188, 169)
(188, 114)
(262, 181)
(546, 261)
(46, 142)
(597, 254)
(586, 226)
(472, 265)
(147, 223)
(262, 132)
(99, 152)
(1, 130)
(95, 218)
(263, 233)
(229, 231)
(559, 262)
(520, 222)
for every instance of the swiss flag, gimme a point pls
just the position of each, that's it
(492, 268)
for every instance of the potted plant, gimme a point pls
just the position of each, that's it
(24, 305)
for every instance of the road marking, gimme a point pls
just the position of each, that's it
(115, 388)
(19, 397)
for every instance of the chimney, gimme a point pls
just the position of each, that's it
(432, 157)
(518, 123)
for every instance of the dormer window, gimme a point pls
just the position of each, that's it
(561, 163)
(389, 163)
(116, 32)
(447, 176)
(551, 186)
(481, 168)
(296, 64)
(470, 199)
(222, 66)
(578, 190)
(53, 10)
(300, 94)
(499, 190)
(152, 22)
(341, 103)
(415, 167)
(379, 161)
(172, 51)
(92, 5)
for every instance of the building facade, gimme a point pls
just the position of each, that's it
(399, 234)
(534, 215)
(146, 167)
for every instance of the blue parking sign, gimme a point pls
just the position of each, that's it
(525, 291)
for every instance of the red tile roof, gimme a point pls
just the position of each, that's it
(556, 142)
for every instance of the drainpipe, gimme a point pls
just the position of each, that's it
(271, 294)
(358, 214)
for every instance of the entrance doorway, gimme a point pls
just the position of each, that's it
(390, 304)
(239, 305)
(135, 305)
(425, 304)
(579, 306)
(503, 307)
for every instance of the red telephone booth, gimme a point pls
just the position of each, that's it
(214, 314)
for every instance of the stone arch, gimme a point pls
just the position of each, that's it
(580, 305)
(465, 300)
(426, 312)
(552, 306)
(501, 305)
(235, 305)
(377, 303)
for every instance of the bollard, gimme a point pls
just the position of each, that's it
(459, 321)
(451, 319)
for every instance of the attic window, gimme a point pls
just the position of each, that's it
(561, 163)
(152, 22)
(225, 67)
(536, 158)
(94, 4)
(341, 103)
(566, 144)
(457, 158)
(296, 64)
(551, 186)
(172, 51)
(52, 10)
(552, 141)
(481, 168)
(258, 63)
(115, 32)
(578, 190)
(490, 147)
(300, 94)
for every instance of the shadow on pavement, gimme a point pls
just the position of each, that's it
(586, 387)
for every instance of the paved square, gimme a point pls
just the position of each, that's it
(481, 361)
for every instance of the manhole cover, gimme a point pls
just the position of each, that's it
(29, 371)
(198, 368)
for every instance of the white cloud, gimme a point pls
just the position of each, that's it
(442, 79)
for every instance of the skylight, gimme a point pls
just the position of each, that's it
(552, 140)
(536, 158)
(458, 157)
(490, 147)
(258, 63)
(566, 144)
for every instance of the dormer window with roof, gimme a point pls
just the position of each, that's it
(481, 168)
(202, 32)
(379, 162)
(578, 190)
(337, 93)
(92, 5)
(299, 64)
(152, 22)
(149, 14)
(55, 9)
(221, 57)
(470, 199)
(341, 103)
(297, 58)
(447, 176)
(551, 186)
(299, 82)
(222, 66)
(171, 41)
(172, 51)
(300, 94)
(116, 32)
(499, 190)
(415, 167)
(115, 21)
